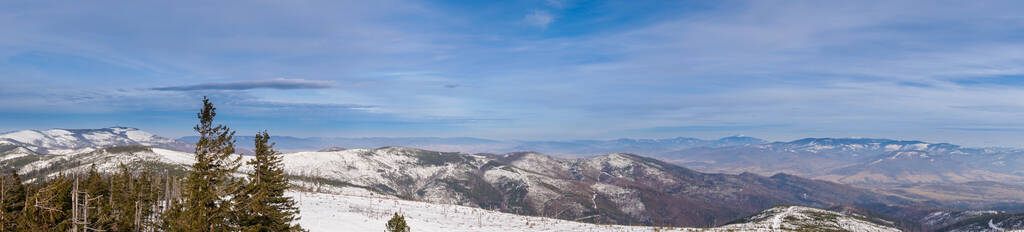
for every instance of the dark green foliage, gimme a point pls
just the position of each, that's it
(261, 204)
(120, 202)
(49, 208)
(397, 224)
(99, 187)
(12, 201)
(207, 185)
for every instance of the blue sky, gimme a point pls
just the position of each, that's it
(949, 71)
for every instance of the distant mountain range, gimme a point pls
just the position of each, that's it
(906, 182)
(859, 161)
(571, 148)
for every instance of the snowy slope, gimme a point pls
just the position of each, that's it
(613, 189)
(11, 150)
(71, 141)
(329, 212)
(105, 160)
(797, 218)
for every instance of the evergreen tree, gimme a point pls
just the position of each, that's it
(146, 199)
(397, 224)
(261, 204)
(122, 199)
(209, 182)
(49, 208)
(12, 201)
(98, 188)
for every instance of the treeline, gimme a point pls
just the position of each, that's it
(91, 201)
(208, 198)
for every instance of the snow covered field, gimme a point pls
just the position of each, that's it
(332, 212)
(329, 212)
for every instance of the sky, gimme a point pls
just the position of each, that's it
(941, 71)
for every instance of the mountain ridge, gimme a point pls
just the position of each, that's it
(614, 188)
(66, 141)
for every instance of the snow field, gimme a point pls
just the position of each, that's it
(330, 212)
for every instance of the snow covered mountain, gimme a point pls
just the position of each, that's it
(614, 188)
(107, 159)
(68, 141)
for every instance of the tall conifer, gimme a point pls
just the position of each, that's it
(100, 209)
(205, 207)
(262, 205)
(12, 201)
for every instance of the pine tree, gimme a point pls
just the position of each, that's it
(98, 188)
(397, 224)
(122, 200)
(261, 204)
(49, 208)
(12, 201)
(209, 182)
(145, 201)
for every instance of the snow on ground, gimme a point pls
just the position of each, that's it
(798, 218)
(25, 136)
(334, 212)
(174, 157)
(67, 142)
(330, 212)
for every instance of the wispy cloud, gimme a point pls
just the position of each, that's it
(985, 129)
(555, 69)
(265, 84)
(301, 105)
(539, 18)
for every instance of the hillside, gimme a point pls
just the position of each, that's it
(69, 141)
(988, 222)
(614, 188)
(327, 212)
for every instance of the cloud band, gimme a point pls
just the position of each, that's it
(245, 85)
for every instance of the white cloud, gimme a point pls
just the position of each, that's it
(539, 18)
